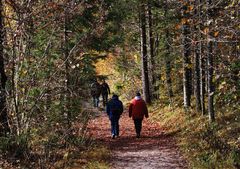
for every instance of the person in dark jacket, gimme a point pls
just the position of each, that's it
(105, 90)
(114, 111)
(95, 92)
(137, 110)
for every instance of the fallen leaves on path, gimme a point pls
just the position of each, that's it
(153, 149)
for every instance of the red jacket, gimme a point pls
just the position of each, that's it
(138, 109)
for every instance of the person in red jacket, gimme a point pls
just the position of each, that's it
(137, 110)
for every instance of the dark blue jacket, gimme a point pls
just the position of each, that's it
(114, 107)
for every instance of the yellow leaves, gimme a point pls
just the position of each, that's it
(23, 72)
(221, 86)
(206, 30)
(9, 12)
(188, 66)
(23, 90)
(233, 4)
(136, 57)
(105, 66)
(66, 155)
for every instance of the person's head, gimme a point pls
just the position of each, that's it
(115, 96)
(138, 94)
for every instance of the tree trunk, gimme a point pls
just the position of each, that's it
(197, 55)
(145, 79)
(202, 83)
(197, 77)
(157, 69)
(151, 50)
(201, 60)
(4, 127)
(187, 71)
(210, 66)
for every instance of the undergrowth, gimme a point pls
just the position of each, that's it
(52, 145)
(205, 145)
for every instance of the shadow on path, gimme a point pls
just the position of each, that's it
(153, 149)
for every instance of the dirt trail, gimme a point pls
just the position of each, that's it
(154, 150)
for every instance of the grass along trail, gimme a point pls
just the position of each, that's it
(154, 150)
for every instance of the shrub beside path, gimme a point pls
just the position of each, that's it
(153, 150)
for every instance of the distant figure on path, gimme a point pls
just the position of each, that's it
(114, 110)
(95, 92)
(105, 91)
(137, 110)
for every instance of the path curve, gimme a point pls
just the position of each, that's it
(154, 150)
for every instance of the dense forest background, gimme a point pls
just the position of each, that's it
(183, 55)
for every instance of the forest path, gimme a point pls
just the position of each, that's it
(153, 150)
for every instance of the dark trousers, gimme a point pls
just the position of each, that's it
(105, 98)
(138, 126)
(115, 126)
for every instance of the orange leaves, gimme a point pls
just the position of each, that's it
(206, 31)
(190, 8)
(177, 26)
(52, 5)
(216, 33)
(186, 21)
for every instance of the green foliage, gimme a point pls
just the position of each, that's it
(118, 87)
(235, 156)
(53, 141)
(15, 146)
(5, 144)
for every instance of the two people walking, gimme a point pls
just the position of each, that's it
(98, 89)
(137, 111)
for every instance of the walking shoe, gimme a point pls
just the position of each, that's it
(138, 135)
(113, 136)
